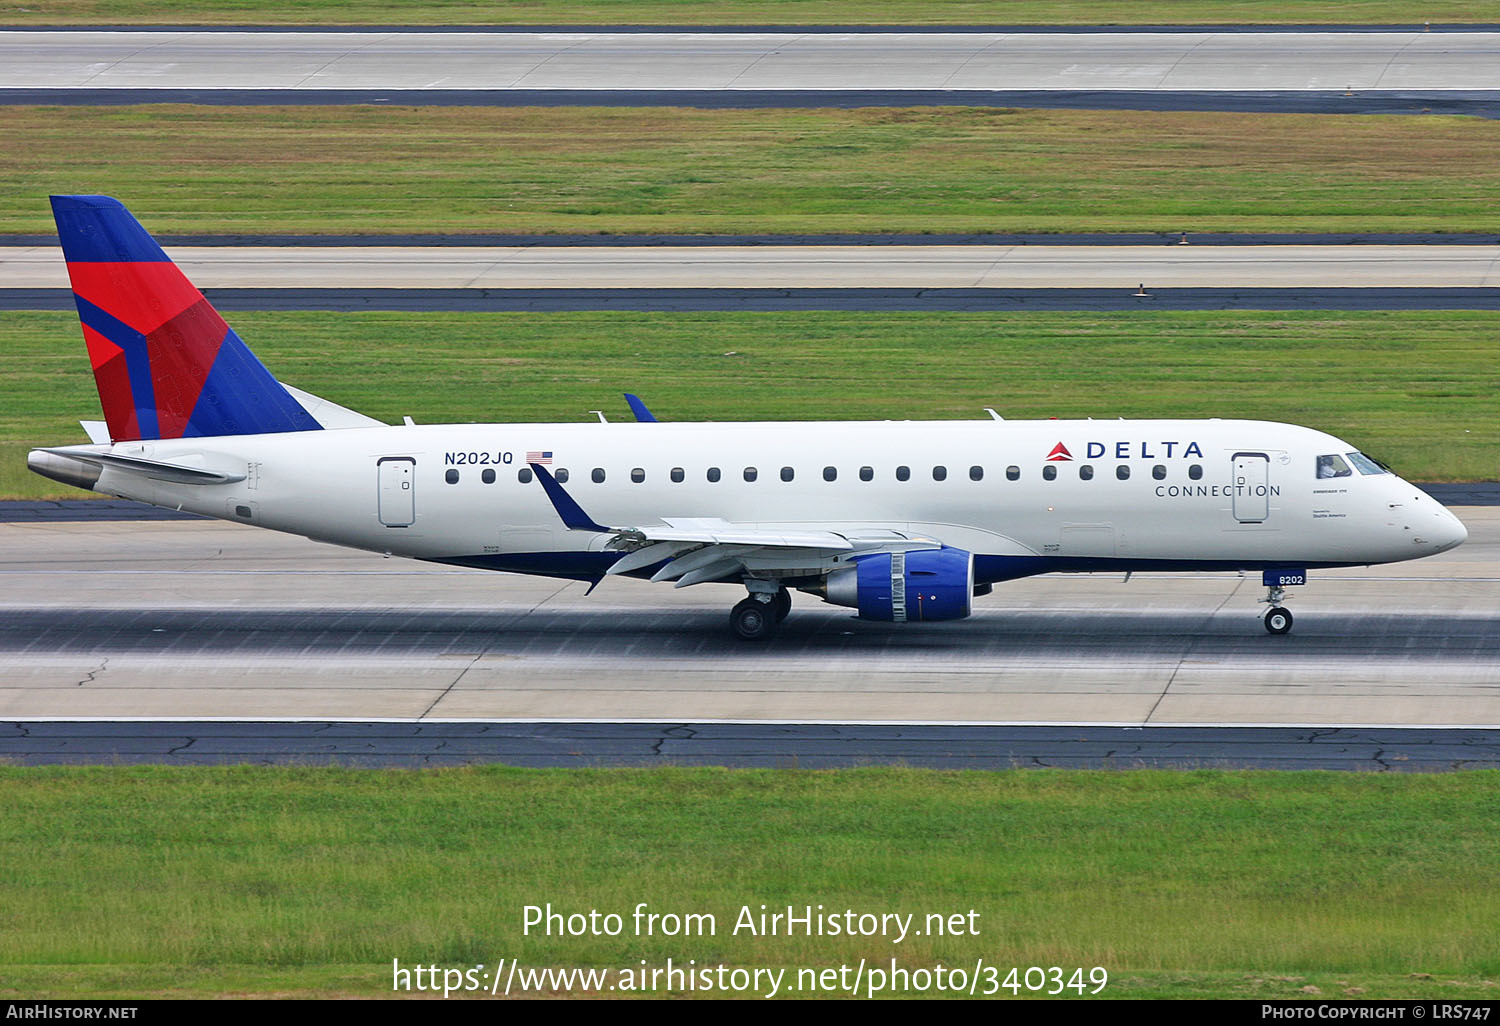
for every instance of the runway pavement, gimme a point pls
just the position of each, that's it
(804, 267)
(1062, 61)
(808, 277)
(204, 619)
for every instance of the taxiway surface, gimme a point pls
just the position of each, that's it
(203, 619)
(1348, 268)
(1177, 61)
(773, 745)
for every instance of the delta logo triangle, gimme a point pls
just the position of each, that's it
(1059, 454)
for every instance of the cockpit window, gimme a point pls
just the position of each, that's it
(1333, 466)
(1365, 465)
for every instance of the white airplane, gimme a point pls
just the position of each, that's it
(902, 520)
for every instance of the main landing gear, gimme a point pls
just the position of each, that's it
(761, 613)
(1278, 619)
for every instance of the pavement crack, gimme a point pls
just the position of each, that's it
(187, 744)
(679, 732)
(453, 683)
(1379, 759)
(1193, 643)
(92, 674)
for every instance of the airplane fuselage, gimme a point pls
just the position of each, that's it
(1024, 497)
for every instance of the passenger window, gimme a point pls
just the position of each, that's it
(598, 475)
(1012, 473)
(524, 475)
(488, 477)
(867, 473)
(1123, 472)
(903, 473)
(562, 475)
(750, 474)
(677, 475)
(638, 475)
(1159, 472)
(1085, 472)
(1049, 472)
(451, 477)
(830, 474)
(976, 473)
(1333, 466)
(1196, 472)
(940, 473)
(713, 474)
(787, 473)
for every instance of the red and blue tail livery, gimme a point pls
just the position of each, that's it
(167, 365)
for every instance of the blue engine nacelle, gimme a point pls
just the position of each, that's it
(928, 584)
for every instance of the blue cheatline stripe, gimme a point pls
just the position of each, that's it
(99, 230)
(241, 397)
(137, 362)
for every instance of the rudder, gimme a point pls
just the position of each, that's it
(166, 364)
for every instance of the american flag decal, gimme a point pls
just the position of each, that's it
(541, 458)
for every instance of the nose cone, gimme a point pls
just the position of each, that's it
(1448, 532)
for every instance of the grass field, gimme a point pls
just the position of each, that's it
(158, 880)
(1417, 389)
(374, 170)
(741, 12)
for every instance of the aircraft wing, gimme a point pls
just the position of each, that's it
(695, 550)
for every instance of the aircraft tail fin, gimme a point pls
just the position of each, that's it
(167, 365)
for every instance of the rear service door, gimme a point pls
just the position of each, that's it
(1252, 487)
(398, 502)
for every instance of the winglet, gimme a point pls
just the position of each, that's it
(573, 516)
(638, 408)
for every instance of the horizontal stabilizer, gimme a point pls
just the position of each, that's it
(154, 469)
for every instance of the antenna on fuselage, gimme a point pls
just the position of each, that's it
(993, 414)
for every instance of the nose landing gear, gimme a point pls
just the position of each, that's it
(1278, 619)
